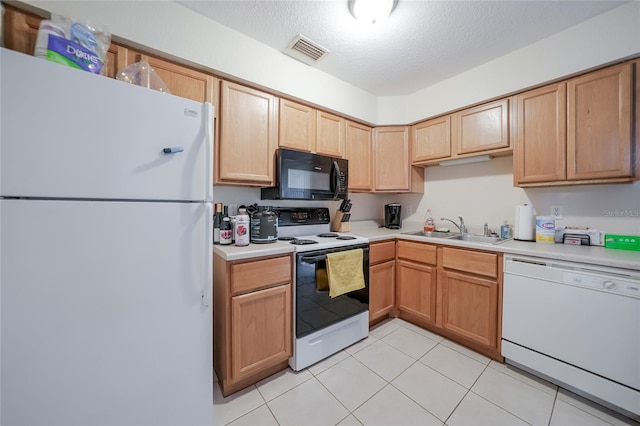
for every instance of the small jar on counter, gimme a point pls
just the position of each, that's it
(242, 228)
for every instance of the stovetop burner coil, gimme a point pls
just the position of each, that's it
(303, 242)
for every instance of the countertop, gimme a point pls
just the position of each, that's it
(370, 229)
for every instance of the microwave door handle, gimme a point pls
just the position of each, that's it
(336, 179)
(313, 259)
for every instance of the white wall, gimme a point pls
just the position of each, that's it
(484, 192)
(605, 38)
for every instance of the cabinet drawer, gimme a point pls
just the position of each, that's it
(471, 261)
(418, 252)
(259, 274)
(381, 252)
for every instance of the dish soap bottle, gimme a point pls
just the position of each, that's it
(505, 230)
(428, 222)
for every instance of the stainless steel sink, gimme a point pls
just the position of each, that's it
(476, 238)
(432, 234)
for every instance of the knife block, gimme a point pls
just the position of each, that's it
(337, 225)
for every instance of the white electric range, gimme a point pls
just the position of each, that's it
(323, 325)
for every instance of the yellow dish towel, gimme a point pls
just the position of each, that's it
(322, 280)
(344, 270)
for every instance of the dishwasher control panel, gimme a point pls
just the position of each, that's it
(601, 282)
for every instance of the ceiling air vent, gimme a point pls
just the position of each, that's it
(305, 50)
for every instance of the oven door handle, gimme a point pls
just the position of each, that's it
(313, 259)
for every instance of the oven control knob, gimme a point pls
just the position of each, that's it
(610, 285)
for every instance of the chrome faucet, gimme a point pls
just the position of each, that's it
(462, 227)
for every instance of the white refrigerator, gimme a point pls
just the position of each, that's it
(105, 250)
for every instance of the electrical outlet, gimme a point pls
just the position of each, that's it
(233, 209)
(409, 210)
(556, 212)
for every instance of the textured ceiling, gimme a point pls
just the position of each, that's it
(422, 43)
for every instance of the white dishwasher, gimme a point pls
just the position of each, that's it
(577, 325)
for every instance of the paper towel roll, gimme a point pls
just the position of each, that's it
(525, 224)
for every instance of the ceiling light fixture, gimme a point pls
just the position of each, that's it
(371, 11)
(466, 160)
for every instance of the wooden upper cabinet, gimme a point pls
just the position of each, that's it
(482, 128)
(297, 126)
(431, 139)
(245, 151)
(307, 129)
(391, 158)
(21, 30)
(599, 124)
(578, 131)
(358, 152)
(180, 80)
(330, 134)
(540, 146)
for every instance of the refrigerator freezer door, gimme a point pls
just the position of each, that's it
(103, 320)
(72, 134)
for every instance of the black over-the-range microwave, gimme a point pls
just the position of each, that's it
(306, 176)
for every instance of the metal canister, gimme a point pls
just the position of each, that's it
(264, 225)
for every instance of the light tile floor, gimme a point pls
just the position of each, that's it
(404, 375)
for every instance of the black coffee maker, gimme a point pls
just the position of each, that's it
(392, 218)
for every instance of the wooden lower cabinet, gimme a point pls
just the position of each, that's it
(469, 307)
(454, 292)
(416, 282)
(260, 330)
(416, 291)
(382, 278)
(252, 319)
(470, 286)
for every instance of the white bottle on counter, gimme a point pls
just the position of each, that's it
(242, 228)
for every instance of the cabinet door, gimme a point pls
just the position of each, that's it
(416, 290)
(599, 124)
(330, 134)
(482, 128)
(297, 129)
(21, 30)
(391, 159)
(381, 289)
(248, 132)
(431, 139)
(260, 330)
(539, 152)
(358, 144)
(470, 307)
(180, 80)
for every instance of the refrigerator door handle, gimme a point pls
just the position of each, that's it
(206, 289)
(172, 150)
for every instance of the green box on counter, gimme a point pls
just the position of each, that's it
(622, 242)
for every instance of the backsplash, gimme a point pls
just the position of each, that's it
(365, 206)
(482, 192)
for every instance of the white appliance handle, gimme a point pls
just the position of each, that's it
(209, 118)
(208, 273)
